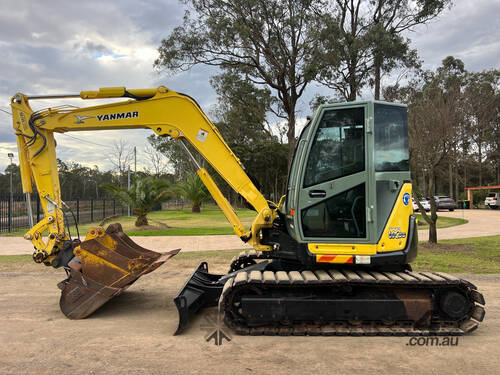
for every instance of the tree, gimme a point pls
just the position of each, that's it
(482, 104)
(16, 179)
(144, 194)
(175, 153)
(362, 39)
(242, 108)
(157, 161)
(193, 190)
(121, 157)
(273, 43)
(241, 119)
(391, 18)
(345, 43)
(241, 113)
(433, 114)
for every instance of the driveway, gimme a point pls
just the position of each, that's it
(481, 223)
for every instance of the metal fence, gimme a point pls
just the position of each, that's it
(14, 214)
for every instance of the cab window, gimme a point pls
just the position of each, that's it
(338, 148)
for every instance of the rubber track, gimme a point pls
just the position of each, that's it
(407, 279)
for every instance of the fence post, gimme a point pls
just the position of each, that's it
(114, 207)
(91, 210)
(10, 212)
(103, 209)
(78, 210)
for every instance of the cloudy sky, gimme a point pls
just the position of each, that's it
(61, 46)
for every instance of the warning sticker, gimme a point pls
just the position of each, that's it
(202, 135)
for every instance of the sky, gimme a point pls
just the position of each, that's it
(60, 46)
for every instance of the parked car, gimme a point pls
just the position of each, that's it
(425, 204)
(444, 203)
(492, 200)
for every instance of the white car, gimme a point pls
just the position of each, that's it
(492, 200)
(425, 204)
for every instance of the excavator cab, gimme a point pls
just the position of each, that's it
(349, 175)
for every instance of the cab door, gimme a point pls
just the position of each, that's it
(334, 197)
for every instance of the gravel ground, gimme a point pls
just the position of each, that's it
(133, 334)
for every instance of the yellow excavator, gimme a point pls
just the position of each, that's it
(332, 257)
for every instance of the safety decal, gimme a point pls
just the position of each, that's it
(406, 198)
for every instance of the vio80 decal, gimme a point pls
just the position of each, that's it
(395, 233)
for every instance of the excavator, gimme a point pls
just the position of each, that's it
(332, 257)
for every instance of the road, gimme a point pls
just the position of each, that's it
(481, 223)
(132, 334)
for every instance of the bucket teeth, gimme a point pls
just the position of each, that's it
(110, 263)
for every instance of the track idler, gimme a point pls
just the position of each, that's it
(105, 264)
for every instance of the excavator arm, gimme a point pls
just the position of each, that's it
(162, 110)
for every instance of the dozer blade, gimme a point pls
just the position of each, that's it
(105, 264)
(202, 289)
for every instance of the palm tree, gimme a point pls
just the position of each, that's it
(193, 190)
(144, 194)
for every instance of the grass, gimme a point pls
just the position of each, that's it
(442, 222)
(470, 255)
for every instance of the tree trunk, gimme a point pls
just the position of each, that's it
(141, 221)
(434, 217)
(450, 187)
(424, 185)
(377, 74)
(291, 134)
(480, 154)
(432, 233)
(196, 208)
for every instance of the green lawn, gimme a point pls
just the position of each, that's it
(468, 255)
(442, 222)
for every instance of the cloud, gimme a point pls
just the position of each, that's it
(469, 31)
(64, 47)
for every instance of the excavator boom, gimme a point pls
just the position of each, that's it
(108, 261)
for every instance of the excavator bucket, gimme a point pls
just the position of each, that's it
(105, 264)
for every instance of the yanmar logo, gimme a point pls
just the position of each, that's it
(118, 116)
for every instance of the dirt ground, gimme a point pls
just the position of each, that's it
(132, 334)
